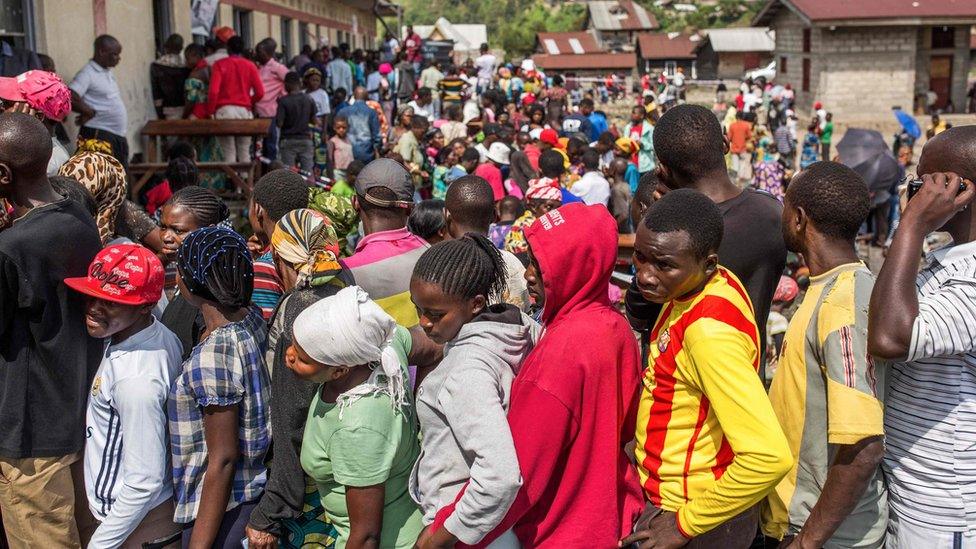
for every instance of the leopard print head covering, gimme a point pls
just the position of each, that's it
(105, 178)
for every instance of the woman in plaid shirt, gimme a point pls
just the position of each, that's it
(218, 406)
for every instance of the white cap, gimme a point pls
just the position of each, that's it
(499, 152)
(535, 134)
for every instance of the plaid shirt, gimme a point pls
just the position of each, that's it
(225, 369)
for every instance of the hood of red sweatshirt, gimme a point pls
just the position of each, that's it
(576, 247)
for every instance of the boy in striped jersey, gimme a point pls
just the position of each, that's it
(924, 321)
(827, 391)
(709, 447)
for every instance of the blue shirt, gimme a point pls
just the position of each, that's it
(598, 122)
(364, 130)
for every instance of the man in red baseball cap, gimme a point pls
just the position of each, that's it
(127, 476)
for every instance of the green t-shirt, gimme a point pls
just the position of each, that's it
(342, 188)
(372, 444)
(827, 133)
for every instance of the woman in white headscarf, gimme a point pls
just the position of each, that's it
(360, 439)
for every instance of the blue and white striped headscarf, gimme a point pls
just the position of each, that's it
(216, 265)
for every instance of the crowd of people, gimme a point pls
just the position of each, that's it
(416, 338)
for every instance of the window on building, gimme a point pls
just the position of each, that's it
(242, 24)
(303, 38)
(806, 75)
(286, 37)
(17, 23)
(782, 64)
(162, 22)
(806, 40)
(943, 37)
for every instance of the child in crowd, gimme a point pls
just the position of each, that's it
(313, 89)
(409, 148)
(296, 115)
(218, 405)
(620, 193)
(508, 210)
(427, 220)
(340, 149)
(810, 152)
(345, 186)
(128, 399)
(491, 171)
(189, 209)
(445, 160)
(468, 162)
(485, 345)
(627, 149)
(454, 128)
(433, 143)
(360, 442)
(181, 171)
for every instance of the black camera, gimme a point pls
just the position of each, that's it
(915, 184)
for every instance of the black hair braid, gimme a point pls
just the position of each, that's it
(465, 268)
(204, 204)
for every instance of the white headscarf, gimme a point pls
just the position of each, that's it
(349, 329)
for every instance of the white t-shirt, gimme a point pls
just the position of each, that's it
(58, 157)
(321, 99)
(127, 470)
(486, 66)
(419, 110)
(592, 188)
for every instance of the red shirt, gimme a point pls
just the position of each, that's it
(234, 81)
(490, 173)
(413, 44)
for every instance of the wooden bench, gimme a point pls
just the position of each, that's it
(155, 132)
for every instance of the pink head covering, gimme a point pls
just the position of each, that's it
(544, 188)
(42, 90)
(786, 290)
(386, 69)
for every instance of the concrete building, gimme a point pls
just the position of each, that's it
(726, 54)
(868, 56)
(65, 30)
(616, 23)
(665, 52)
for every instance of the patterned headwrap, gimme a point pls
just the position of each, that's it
(215, 265)
(311, 71)
(544, 188)
(627, 145)
(104, 177)
(306, 239)
(349, 329)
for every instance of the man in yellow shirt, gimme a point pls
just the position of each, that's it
(827, 389)
(709, 447)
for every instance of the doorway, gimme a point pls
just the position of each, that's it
(940, 79)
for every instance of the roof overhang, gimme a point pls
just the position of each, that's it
(773, 7)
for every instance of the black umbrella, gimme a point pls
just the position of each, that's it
(866, 152)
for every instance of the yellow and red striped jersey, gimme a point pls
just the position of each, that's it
(708, 443)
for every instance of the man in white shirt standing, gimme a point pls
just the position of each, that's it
(924, 322)
(593, 187)
(486, 64)
(127, 470)
(96, 97)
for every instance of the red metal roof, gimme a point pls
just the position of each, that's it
(559, 43)
(835, 10)
(588, 61)
(659, 45)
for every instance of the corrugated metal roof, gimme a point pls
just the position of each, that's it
(841, 10)
(613, 15)
(556, 43)
(660, 45)
(587, 61)
(741, 39)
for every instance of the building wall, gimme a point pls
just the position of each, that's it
(66, 29)
(961, 64)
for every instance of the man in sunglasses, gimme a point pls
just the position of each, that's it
(923, 320)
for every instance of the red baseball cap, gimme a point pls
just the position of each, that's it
(550, 136)
(42, 90)
(224, 34)
(129, 274)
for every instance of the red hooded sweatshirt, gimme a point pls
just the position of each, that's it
(574, 402)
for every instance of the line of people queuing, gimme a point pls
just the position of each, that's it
(372, 370)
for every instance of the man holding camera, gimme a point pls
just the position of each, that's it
(925, 322)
